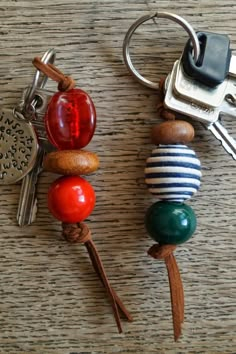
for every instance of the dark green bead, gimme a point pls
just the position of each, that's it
(170, 222)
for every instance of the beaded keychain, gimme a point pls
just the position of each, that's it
(172, 175)
(70, 122)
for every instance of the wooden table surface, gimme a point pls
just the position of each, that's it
(50, 298)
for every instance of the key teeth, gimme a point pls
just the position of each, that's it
(221, 133)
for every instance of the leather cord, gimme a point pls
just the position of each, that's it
(65, 83)
(165, 252)
(80, 233)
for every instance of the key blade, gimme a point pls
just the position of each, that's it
(27, 194)
(34, 210)
(220, 133)
(27, 206)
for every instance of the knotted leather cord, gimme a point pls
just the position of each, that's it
(65, 83)
(80, 233)
(165, 252)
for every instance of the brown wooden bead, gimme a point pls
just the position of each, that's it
(172, 132)
(71, 162)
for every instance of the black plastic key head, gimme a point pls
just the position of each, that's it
(213, 63)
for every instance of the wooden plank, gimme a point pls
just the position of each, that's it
(51, 301)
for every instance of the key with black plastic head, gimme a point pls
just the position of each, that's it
(209, 116)
(215, 62)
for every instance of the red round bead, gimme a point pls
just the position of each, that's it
(71, 199)
(70, 119)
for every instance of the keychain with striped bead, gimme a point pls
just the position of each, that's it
(172, 175)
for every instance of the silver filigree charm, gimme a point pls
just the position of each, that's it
(18, 147)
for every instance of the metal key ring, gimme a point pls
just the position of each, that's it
(48, 57)
(126, 54)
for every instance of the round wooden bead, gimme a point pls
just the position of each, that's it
(71, 162)
(172, 132)
(173, 172)
(170, 223)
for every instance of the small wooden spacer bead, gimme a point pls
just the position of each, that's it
(71, 162)
(172, 132)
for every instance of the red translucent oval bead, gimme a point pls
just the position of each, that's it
(71, 199)
(70, 120)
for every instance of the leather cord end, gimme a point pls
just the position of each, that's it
(80, 233)
(165, 252)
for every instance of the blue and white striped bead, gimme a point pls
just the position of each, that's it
(173, 173)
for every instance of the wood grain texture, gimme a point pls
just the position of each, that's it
(50, 298)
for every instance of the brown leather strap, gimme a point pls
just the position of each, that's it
(176, 292)
(80, 233)
(119, 303)
(65, 83)
(176, 286)
(105, 281)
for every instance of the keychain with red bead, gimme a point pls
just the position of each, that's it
(70, 120)
(71, 199)
(70, 123)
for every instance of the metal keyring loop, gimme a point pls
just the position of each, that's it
(126, 54)
(48, 57)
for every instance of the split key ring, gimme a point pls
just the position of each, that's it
(178, 19)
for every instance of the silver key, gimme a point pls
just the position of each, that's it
(196, 92)
(27, 206)
(197, 111)
(208, 116)
(190, 89)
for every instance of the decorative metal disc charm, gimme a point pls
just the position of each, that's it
(18, 147)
